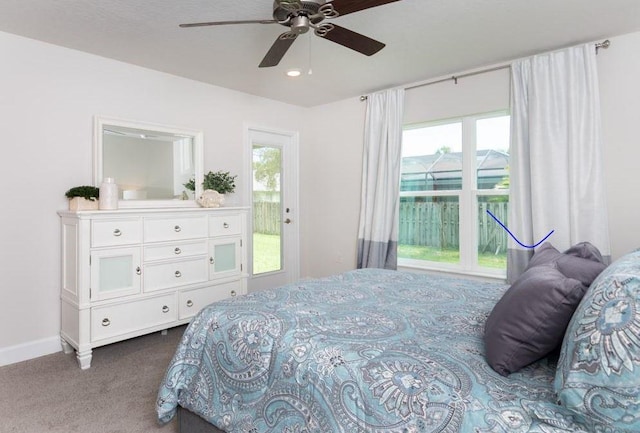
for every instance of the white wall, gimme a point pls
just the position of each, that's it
(331, 211)
(48, 97)
(330, 176)
(476, 94)
(619, 69)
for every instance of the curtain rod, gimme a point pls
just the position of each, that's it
(604, 44)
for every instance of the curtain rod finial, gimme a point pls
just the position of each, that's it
(363, 98)
(604, 44)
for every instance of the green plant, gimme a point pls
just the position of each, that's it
(84, 191)
(220, 181)
(191, 185)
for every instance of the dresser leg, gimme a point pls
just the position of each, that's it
(66, 347)
(84, 359)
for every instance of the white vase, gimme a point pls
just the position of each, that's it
(108, 194)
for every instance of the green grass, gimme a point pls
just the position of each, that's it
(490, 260)
(266, 253)
(416, 252)
(487, 260)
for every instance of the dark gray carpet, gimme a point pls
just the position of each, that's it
(116, 395)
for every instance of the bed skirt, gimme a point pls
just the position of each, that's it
(189, 422)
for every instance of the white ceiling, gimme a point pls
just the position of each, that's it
(425, 39)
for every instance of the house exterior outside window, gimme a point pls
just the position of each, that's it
(452, 172)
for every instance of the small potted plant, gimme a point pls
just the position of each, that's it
(215, 186)
(220, 181)
(83, 197)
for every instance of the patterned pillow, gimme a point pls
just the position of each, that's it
(598, 375)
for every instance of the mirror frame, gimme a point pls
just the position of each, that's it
(198, 148)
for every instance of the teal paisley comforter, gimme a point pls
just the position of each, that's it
(365, 351)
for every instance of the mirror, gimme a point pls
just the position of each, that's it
(150, 163)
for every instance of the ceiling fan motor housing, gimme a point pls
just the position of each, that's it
(285, 11)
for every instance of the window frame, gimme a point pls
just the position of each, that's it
(468, 201)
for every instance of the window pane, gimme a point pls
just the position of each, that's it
(492, 238)
(492, 142)
(432, 158)
(225, 255)
(267, 209)
(116, 273)
(429, 229)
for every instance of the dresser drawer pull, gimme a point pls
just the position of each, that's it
(165, 309)
(178, 274)
(117, 232)
(233, 293)
(177, 250)
(106, 322)
(225, 225)
(189, 303)
(177, 228)
(138, 270)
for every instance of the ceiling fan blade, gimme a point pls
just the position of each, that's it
(349, 6)
(278, 50)
(355, 41)
(224, 23)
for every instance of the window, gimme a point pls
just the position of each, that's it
(267, 209)
(452, 173)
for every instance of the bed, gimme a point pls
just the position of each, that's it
(365, 351)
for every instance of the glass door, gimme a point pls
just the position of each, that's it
(274, 201)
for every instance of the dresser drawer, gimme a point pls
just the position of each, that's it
(164, 275)
(191, 302)
(175, 250)
(221, 225)
(107, 233)
(178, 228)
(112, 320)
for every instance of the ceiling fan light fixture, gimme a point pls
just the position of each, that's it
(294, 73)
(300, 24)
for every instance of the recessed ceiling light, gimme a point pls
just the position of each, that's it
(293, 72)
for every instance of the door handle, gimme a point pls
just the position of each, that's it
(288, 221)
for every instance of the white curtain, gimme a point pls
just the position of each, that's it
(378, 230)
(556, 154)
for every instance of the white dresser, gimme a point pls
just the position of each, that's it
(127, 273)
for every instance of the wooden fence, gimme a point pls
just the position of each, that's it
(422, 224)
(437, 225)
(266, 217)
(491, 236)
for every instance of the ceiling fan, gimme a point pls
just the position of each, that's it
(302, 15)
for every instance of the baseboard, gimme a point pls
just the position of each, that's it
(30, 350)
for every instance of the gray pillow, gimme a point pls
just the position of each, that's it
(530, 319)
(586, 250)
